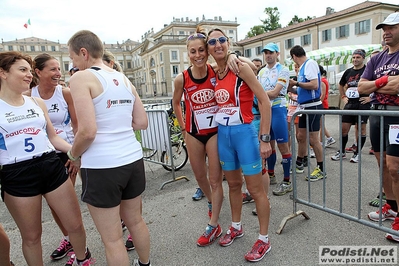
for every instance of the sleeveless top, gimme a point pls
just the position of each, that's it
(201, 105)
(115, 143)
(325, 100)
(311, 68)
(58, 112)
(234, 98)
(22, 132)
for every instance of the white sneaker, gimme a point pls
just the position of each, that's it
(330, 141)
(338, 155)
(355, 158)
(136, 262)
(311, 153)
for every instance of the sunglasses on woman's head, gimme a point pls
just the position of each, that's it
(196, 36)
(221, 40)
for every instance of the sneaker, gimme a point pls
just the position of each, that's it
(73, 262)
(246, 198)
(394, 226)
(255, 212)
(230, 235)
(136, 262)
(299, 169)
(311, 153)
(317, 174)
(258, 251)
(355, 158)
(386, 214)
(12, 264)
(371, 152)
(273, 179)
(351, 148)
(123, 225)
(210, 235)
(64, 248)
(338, 155)
(305, 162)
(210, 209)
(129, 243)
(376, 202)
(282, 188)
(329, 141)
(198, 194)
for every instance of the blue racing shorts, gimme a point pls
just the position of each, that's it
(238, 146)
(278, 129)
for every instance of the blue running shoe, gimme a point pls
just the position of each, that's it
(198, 194)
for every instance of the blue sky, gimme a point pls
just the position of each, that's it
(117, 20)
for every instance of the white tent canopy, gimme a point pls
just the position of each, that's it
(338, 55)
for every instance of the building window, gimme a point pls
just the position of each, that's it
(121, 63)
(32, 48)
(174, 56)
(43, 48)
(22, 48)
(162, 74)
(326, 35)
(289, 43)
(152, 62)
(181, 32)
(231, 31)
(66, 66)
(10, 48)
(258, 50)
(305, 39)
(247, 53)
(129, 64)
(53, 48)
(342, 31)
(362, 27)
(160, 57)
(175, 70)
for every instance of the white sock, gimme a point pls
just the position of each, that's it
(264, 238)
(236, 225)
(66, 238)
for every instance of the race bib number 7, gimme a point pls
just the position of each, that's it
(228, 116)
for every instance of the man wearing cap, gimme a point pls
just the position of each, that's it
(309, 90)
(274, 78)
(381, 76)
(348, 89)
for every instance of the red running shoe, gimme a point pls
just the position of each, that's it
(230, 235)
(210, 235)
(258, 251)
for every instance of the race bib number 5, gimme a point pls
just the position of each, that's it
(394, 134)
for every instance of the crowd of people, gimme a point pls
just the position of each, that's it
(231, 133)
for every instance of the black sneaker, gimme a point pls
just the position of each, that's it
(123, 225)
(129, 243)
(64, 248)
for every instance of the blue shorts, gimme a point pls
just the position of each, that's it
(278, 130)
(239, 147)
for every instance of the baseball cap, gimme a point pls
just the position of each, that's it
(272, 47)
(392, 19)
(360, 52)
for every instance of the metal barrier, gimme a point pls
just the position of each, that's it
(157, 144)
(318, 193)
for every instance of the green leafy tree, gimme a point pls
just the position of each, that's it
(269, 24)
(296, 20)
(256, 30)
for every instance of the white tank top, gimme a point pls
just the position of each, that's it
(22, 132)
(58, 112)
(115, 143)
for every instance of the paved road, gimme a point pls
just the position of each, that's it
(176, 221)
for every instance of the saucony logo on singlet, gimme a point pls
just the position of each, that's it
(29, 130)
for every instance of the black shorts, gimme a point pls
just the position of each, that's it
(33, 177)
(355, 105)
(391, 149)
(314, 119)
(106, 188)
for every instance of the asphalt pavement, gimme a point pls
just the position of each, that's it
(175, 221)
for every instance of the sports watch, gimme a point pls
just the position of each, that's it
(265, 138)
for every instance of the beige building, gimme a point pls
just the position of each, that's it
(152, 64)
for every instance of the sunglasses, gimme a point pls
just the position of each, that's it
(196, 36)
(221, 40)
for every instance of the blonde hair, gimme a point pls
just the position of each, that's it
(110, 59)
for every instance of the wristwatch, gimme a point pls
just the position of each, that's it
(265, 138)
